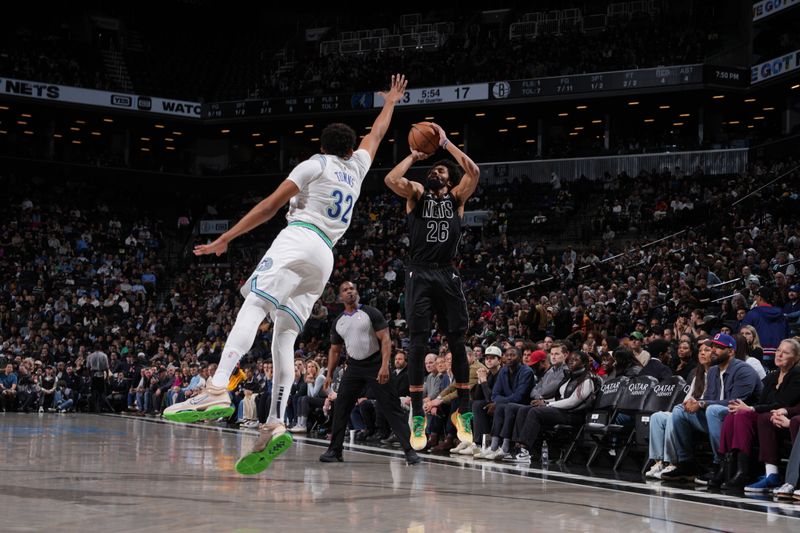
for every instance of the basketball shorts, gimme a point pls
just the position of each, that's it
(436, 291)
(293, 273)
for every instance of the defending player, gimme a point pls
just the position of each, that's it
(321, 192)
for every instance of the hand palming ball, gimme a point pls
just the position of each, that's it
(423, 137)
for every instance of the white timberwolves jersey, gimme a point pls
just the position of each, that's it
(329, 187)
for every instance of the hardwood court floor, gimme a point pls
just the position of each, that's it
(115, 473)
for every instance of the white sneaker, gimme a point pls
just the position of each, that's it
(461, 446)
(41, 409)
(655, 470)
(298, 429)
(498, 455)
(250, 424)
(784, 491)
(471, 449)
(483, 453)
(212, 403)
(666, 470)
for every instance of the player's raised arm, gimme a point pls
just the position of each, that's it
(373, 139)
(399, 184)
(469, 182)
(259, 214)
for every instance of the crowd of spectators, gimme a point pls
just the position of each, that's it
(478, 53)
(53, 59)
(474, 52)
(95, 316)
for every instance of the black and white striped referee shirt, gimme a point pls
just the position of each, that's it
(356, 331)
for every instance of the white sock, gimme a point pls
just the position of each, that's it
(495, 443)
(283, 336)
(301, 421)
(771, 469)
(241, 338)
(506, 445)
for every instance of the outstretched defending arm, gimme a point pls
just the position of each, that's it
(371, 141)
(262, 212)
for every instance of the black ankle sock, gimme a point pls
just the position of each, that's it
(464, 405)
(416, 404)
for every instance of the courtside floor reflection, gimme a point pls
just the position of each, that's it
(113, 473)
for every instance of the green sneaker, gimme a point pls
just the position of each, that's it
(261, 455)
(463, 424)
(418, 438)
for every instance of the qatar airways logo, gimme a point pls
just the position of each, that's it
(638, 389)
(610, 388)
(663, 391)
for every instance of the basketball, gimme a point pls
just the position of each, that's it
(423, 137)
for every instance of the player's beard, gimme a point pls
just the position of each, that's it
(435, 183)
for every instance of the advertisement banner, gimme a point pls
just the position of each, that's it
(475, 218)
(765, 8)
(214, 227)
(92, 97)
(775, 67)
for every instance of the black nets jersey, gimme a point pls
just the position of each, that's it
(434, 229)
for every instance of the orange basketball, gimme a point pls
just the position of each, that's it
(423, 137)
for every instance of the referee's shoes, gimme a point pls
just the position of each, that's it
(331, 456)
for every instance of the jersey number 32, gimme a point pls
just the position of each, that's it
(335, 209)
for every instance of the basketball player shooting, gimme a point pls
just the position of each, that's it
(321, 192)
(433, 286)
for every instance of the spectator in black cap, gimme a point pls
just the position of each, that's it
(654, 332)
(658, 364)
(770, 323)
(792, 307)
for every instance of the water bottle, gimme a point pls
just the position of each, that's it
(545, 455)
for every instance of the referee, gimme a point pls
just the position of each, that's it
(365, 333)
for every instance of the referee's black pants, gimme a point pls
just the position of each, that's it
(361, 373)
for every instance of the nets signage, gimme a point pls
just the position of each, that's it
(91, 97)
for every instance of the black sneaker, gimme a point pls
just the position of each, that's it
(682, 472)
(520, 455)
(713, 478)
(718, 476)
(331, 456)
(375, 438)
(390, 440)
(412, 458)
